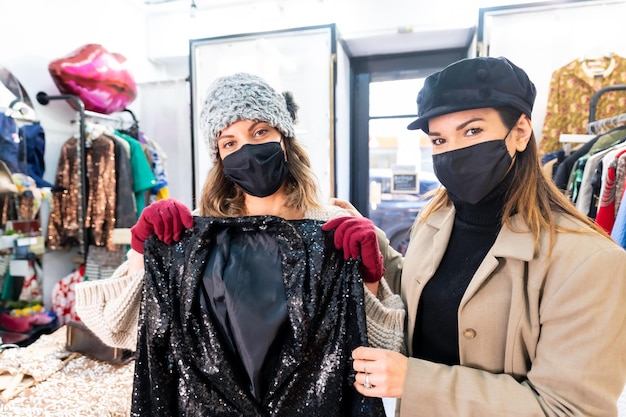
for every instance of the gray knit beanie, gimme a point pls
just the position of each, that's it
(243, 96)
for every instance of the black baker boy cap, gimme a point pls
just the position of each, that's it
(474, 83)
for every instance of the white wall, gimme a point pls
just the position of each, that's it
(171, 25)
(35, 32)
(558, 36)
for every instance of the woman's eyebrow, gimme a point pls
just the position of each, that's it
(459, 127)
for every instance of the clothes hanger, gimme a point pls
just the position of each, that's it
(133, 130)
(598, 65)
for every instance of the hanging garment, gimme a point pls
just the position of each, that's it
(34, 138)
(569, 98)
(620, 180)
(63, 226)
(618, 233)
(31, 288)
(9, 144)
(101, 262)
(603, 142)
(607, 210)
(189, 362)
(126, 208)
(563, 171)
(585, 188)
(158, 157)
(62, 299)
(143, 177)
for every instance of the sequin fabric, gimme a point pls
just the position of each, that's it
(83, 387)
(183, 367)
(63, 226)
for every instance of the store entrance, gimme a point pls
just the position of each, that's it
(400, 164)
(391, 166)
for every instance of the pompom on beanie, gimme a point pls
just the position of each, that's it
(244, 96)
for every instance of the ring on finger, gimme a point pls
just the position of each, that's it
(367, 384)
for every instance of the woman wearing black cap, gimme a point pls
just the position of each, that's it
(515, 300)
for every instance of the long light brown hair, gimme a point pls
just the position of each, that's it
(532, 195)
(223, 198)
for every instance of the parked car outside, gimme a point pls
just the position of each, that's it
(396, 212)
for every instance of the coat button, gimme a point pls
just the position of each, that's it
(469, 333)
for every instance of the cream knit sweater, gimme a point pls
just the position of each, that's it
(110, 307)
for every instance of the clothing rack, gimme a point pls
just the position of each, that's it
(81, 155)
(610, 122)
(593, 125)
(94, 115)
(44, 99)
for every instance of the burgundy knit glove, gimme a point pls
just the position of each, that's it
(166, 218)
(357, 237)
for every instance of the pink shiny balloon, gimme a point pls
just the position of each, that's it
(101, 79)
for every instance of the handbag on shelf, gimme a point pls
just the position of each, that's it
(82, 340)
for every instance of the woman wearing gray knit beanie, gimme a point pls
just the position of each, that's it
(260, 199)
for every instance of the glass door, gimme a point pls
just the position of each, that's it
(390, 166)
(400, 165)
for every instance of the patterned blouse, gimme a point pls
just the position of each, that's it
(571, 90)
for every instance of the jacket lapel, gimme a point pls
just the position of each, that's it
(428, 244)
(426, 248)
(516, 243)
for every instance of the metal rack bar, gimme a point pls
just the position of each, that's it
(594, 99)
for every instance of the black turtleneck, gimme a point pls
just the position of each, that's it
(476, 226)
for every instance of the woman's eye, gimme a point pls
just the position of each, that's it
(473, 131)
(438, 141)
(228, 144)
(260, 132)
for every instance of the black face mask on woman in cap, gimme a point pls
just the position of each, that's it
(473, 172)
(259, 169)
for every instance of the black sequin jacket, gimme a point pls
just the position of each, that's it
(183, 366)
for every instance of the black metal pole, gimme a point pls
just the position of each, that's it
(44, 99)
(594, 99)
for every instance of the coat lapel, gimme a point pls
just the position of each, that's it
(511, 243)
(426, 248)
(428, 244)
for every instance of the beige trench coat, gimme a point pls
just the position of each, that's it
(536, 337)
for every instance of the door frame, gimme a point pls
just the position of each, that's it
(365, 70)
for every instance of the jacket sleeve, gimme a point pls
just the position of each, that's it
(385, 315)
(110, 307)
(578, 367)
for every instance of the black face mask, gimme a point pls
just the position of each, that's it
(473, 172)
(259, 169)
